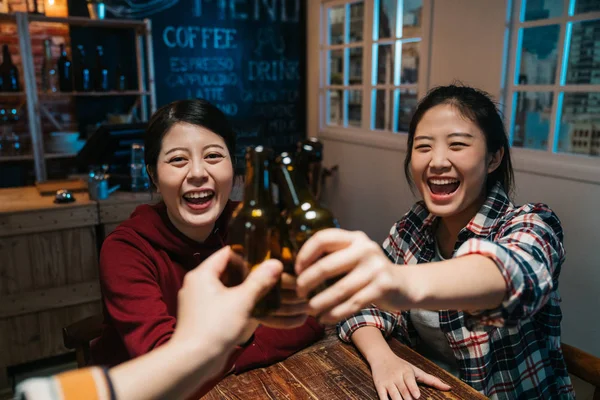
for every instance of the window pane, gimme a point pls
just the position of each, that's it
(356, 63)
(336, 25)
(411, 17)
(381, 104)
(335, 103)
(336, 67)
(532, 119)
(386, 15)
(384, 54)
(583, 6)
(407, 106)
(410, 62)
(579, 130)
(354, 107)
(584, 54)
(538, 55)
(542, 9)
(357, 11)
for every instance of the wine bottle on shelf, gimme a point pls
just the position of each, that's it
(65, 71)
(17, 142)
(5, 139)
(83, 77)
(121, 80)
(9, 72)
(101, 72)
(49, 75)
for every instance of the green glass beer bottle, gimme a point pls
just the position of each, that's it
(304, 216)
(253, 230)
(309, 159)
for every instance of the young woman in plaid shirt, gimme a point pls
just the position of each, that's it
(488, 269)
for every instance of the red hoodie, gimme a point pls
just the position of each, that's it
(142, 265)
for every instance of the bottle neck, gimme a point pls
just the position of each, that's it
(6, 55)
(301, 162)
(48, 51)
(257, 186)
(293, 188)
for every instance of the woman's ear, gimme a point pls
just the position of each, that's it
(152, 175)
(495, 160)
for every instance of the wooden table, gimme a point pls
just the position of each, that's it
(329, 370)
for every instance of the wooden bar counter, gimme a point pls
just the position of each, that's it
(48, 272)
(119, 206)
(49, 268)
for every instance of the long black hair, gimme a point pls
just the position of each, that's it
(197, 112)
(477, 106)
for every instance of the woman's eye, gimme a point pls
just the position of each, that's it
(422, 147)
(214, 156)
(176, 159)
(458, 144)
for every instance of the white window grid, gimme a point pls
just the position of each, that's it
(368, 84)
(515, 26)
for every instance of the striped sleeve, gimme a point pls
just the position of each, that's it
(385, 321)
(88, 383)
(528, 251)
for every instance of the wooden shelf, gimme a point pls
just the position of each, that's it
(94, 94)
(7, 17)
(12, 94)
(29, 157)
(81, 21)
(50, 156)
(23, 157)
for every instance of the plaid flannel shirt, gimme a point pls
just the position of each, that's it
(509, 352)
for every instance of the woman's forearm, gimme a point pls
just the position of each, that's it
(370, 342)
(471, 282)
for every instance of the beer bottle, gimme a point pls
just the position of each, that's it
(253, 230)
(309, 159)
(287, 249)
(304, 216)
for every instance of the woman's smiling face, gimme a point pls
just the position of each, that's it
(194, 175)
(450, 162)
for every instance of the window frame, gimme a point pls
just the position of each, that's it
(542, 163)
(364, 134)
(546, 162)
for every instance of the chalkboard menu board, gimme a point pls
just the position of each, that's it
(245, 56)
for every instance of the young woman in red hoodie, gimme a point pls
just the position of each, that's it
(189, 146)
